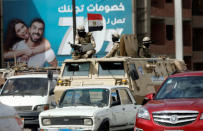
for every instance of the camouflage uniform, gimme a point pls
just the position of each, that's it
(88, 38)
(144, 48)
(114, 51)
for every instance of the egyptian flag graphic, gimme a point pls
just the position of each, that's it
(95, 22)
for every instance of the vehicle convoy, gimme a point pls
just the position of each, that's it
(141, 75)
(177, 106)
(29, 93)
(95, 108)
(9, 119)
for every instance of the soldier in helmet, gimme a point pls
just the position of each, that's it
(87, 43)
(116, 46)
(144, 47)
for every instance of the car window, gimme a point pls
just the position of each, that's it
(181, 87)
(26, 86)
(125, 98)
(86, 97)
(115, 98)
(77, 69)
(111, 69)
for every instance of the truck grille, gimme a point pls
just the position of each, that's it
(174, 118)
(23, 108)
(67, 121)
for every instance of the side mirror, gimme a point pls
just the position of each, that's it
(148, 97)
(53, 104)
(51, 92)
(133, 72)
(50, 74)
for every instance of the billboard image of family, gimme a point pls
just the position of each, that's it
(39, 33)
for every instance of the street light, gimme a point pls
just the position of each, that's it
(178, 30)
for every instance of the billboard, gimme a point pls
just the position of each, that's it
(58, 30)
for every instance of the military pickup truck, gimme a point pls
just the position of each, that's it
(141, 75)
(95, 108)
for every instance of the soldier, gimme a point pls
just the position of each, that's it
(116, 45)
(86, 43)
(144, 47)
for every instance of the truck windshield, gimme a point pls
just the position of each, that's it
(26, 86)
(111, 68)
(76, 69)
(85, 97)
(181, 87)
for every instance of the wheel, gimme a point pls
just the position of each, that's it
(104, 127)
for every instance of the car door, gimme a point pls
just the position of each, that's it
(116, 109)
(128, 106)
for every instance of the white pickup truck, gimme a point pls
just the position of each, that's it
(92, 108)
(29, 94)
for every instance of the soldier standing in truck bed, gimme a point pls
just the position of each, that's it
(116, 46)
(87, 43)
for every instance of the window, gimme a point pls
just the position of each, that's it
(169, 1)
(111, 68)
(115, 99)
(158, 32)
(85, 97)
(125, 98)
(197, 39)
(76, 69)
(26, 86)
(169, 32)
(197, 9)
(157, 3)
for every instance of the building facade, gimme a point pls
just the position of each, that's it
(162, 24)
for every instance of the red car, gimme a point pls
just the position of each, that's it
(177, 106)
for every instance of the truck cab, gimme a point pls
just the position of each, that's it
(29, 94)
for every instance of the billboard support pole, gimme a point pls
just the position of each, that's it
(74, 20)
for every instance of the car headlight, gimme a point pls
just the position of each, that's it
(201, 117)
(88, 121)
(46, 122)
(143, 113)
(41, 108)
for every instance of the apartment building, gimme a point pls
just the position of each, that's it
(163, 29)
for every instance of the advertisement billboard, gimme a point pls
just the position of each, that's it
(58, 26)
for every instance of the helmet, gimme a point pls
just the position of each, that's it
(146, 41)
(80, 27)
(115, 37)
(81, 31)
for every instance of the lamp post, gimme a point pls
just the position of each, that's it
(74, 20)
(178, 30)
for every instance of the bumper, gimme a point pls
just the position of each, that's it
(149, 125)
(30, 117)
(78, 128)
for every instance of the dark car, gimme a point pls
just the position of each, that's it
(177, 106)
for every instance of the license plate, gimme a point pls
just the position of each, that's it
(65, 130)
(173, 130)
(69, 130)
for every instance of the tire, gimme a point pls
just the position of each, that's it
(104, 126)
